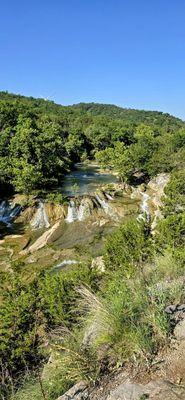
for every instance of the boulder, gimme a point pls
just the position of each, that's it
(179, 330)
(176, 312)
(127, 391)
(77, 392)
(154, 390)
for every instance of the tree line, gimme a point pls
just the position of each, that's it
(40, 141)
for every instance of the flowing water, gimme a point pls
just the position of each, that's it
(63, 264)
(85, 179)
(8, 212)
(106, 207)
(78, 212)
(72, 214)
(40, 219)
(144, 206)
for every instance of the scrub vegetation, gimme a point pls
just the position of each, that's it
(90, 322)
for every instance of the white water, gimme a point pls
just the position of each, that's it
(83, 211)
(109, 197)
(72, 214)
(78, 213)
(105, 206)
(8, 212)
(40, 219)
(63, 264)
(144, 206)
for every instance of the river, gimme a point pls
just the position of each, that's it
(85, 179)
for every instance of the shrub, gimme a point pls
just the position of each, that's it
(128, 246)
(28, 312)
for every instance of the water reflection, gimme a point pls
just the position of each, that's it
(85, 179)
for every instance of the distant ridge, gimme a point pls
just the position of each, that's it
(128, 115)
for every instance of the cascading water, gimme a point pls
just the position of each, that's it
(78, 213)
(40, 219)
(15, 211)
(109, 197)
(84, 210)
(144, 206)
(63, 264)
(8, 212)
(106, 207)
(72, 214)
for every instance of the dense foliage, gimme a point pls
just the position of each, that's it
(40, 140)
(92, 321)
(28, 312)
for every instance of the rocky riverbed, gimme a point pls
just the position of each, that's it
(42, 234)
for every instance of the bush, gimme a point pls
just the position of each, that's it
(128, 246)
(28, 311)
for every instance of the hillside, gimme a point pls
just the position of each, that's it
(92, 284)
(40, 141)
(95, 109)
(130, 115)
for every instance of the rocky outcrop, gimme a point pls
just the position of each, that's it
(77, 392)
(46, 214)
(179, 330)
(167, 382)
(159, 389)
(154, 390)
(98, 264)
(157, 186)
(45, 239)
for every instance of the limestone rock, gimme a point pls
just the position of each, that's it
(77, 392)
(98, 263)
(157, 185)
(55, 211)
(176, 313)
(154, 390)
(45, 238)
(127, 391)
(179, 330)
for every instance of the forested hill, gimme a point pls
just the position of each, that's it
(130, 115)
(40, 141)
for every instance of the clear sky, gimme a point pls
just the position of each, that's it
(125, 52)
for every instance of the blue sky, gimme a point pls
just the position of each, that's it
(125, 52)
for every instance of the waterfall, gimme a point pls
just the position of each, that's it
(15, 211)
(106, 207)
(78, 213)
(40, 219)
(8, 212)
(144, 206)
(84, 210)
(72, 214)
(63, 264)
(109, 197)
